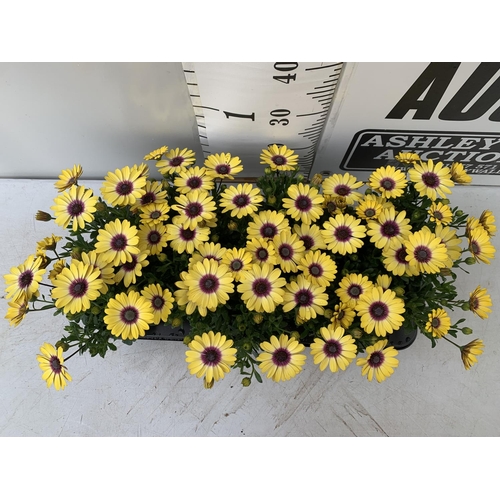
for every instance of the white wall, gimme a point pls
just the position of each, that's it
(101, 115)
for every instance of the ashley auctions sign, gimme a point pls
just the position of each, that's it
(443, 111)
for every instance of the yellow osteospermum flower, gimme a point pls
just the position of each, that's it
(480, 302)
(128, 315)
(431, 180)
(193, 179)
(439, 323)
(75, 206)
(124, 186)
(68, 178)
(343, 234)
(161, 302)
(76, 286)
(344, 186)
(480, 245)
(289, 250)
(193, 208)
(223, 166)
(425, 251)
(156, 154)
(281, 359)
(210, 355)
(117, 242)
(238, 260)
(48, 243)
(307, 297)
(440, 214)
(407, 157)
(51, 363)
(279, 158)
(334, 350)
(381, 361)
(23, 280)
(17, 311)
(389, 181)
(176, 161)
(459, 175)
(241, 200)
(304, 203)
(381, 311)
(487, 220)
(470, 351)
(318, 268)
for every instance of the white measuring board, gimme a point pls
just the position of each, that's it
(241, 108)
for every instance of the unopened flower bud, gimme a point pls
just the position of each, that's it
(300, 177)
(267, 170)
(95, 310)
(466, 330)
(445, 201)
(459, 213)
(317, 180)
(162, 257)
(176, 322)
(258, 318)
(100, 206)
(328, 313)
(465, 306)
(445, 271)
(470, 260)
(214, 238)
(63, 345)
(399, 291)
(245, 382)
(295, 335)
(43, 216)
(186, 340)
(76, 254)
(232, 226)
(299, 321)
(271, 199)
(368, 191)
(356, 333)
(247, 346)
(208, 385)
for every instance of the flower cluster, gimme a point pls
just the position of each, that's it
(258, 271)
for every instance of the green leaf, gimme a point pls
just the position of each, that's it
(257, 376)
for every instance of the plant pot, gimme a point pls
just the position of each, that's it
(167, 332)
(403, 338)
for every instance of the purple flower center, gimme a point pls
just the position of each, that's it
(175, 162)
(129, 315)
(354, 291)
(315, 270)
(148, 198)
(370, 212)
(388, 184)
(211, 356)
(25, 279)
(155, 214)
(437, 215)
(118, 242)
(124, 187)
(78, 288)
(262, 254)
(209, 283)
(236, 265)
(55, 364)
(281, 357)
(332, 348)
(304, 298)
(261, 287)
(131, 265)
(389, 229)
(378, 311)
(308, 242)
(268, 230)
(278, 160)
(430, 179)
(158, 302)
(154, 237)
(194, 182)
(435, 322)
(376, 359)
(422, 254)
(187, 234)
(400, 255)
(342, 190)
(76, 208)
(476, 250)
(286, 252)
(343, 233)
(303, 203)
(241, 200)
(193, 209)
(222, 169)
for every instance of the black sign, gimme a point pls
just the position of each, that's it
(371, 149)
